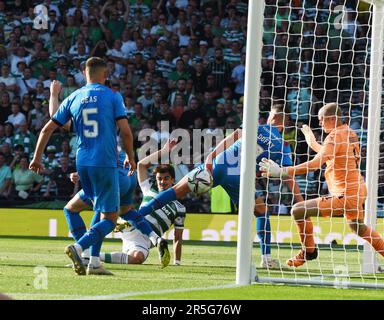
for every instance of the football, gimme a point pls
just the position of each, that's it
(200, 181)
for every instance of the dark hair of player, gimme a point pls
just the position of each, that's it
(165, 168)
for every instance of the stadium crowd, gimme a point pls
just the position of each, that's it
(181, 61)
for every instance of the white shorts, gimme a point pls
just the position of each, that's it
(136, 241)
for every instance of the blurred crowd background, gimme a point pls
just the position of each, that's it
(180, 61)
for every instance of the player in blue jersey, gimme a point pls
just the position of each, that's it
(277, 120)
(224, 165)
(96, 112)
(80, 202)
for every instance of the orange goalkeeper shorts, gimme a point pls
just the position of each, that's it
(352, 206)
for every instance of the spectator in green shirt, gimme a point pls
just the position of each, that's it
(25, 137)
(179, 73)
(42, 64)
(114, 24)
(95, 32)
(71, 30)
(135, 119)
(26, 181)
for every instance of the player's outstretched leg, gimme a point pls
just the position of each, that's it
(164, 255)
(303, 256)
(86, 253)
(309, 251)
(302, 211)
(94, 266)
(263, 229)
(96, 233)
(98, 271)
(375, 239)
(368, 234)
(72, 252)
(75, 223)
(77, 228)
(138, 221)
(159, 201)
(121, 224)
(92, 237)
(114, 257)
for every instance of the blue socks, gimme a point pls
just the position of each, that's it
(130, 215)
(94, 249)
(144, 226)
(138, 221)
(78, 229)
(75, 224)
(96, 233)
(95, 218)
(159, 201)
(263, 228)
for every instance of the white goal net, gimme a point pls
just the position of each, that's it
(314, 53)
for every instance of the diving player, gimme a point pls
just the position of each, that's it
(224, 165)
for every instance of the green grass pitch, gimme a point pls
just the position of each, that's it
(208, 272)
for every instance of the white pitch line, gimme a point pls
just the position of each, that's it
(58, 295)
(120, 295)
(155, 292)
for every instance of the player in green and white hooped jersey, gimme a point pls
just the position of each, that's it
(136, 245)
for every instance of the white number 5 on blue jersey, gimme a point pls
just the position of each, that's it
(90, 123)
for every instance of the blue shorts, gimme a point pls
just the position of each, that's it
(127, 185)
(101, 185)
(229, 178)
(84, 198)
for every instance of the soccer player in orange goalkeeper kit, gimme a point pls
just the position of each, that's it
(341, 153)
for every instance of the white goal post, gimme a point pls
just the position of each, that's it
(245, 269)
(250, 126)
(373, 137)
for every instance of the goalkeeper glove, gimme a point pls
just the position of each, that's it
(269, 168)
(309, 136)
